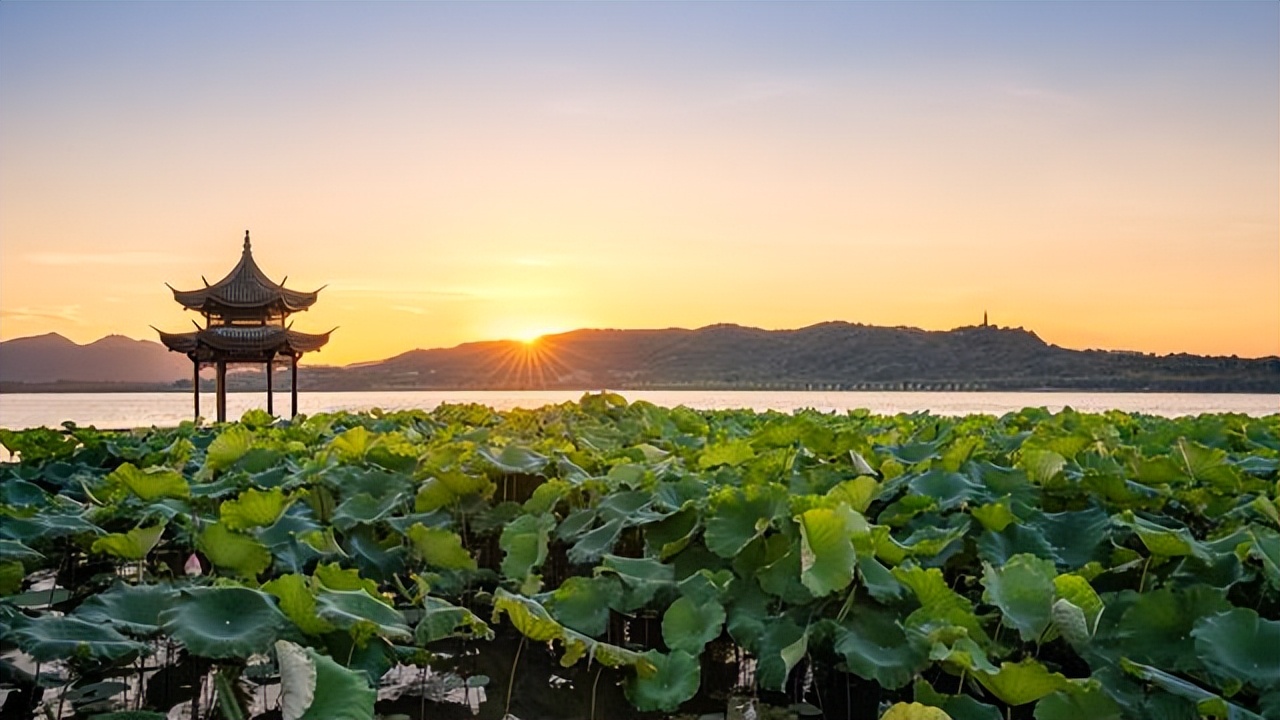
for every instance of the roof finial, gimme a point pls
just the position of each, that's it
(246, 241)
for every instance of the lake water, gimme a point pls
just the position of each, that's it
(129, 410)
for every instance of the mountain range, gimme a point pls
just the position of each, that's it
(832, 355)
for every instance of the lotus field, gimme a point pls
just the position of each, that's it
(608, 560)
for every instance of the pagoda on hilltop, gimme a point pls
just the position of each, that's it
(245, 317)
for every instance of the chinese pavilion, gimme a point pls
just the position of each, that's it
(244, 314)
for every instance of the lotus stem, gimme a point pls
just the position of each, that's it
(511, 681)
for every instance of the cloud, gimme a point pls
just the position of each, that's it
(118, 258)
(64, 313)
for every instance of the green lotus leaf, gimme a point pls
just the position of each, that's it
(314, 687)
(514, 460)
(229, 550)
(1155, 627)
(780, 647)
(642, 579)
(351, 445)
(441, 620)
(529, 617)
(1041, 466)
(1076, 590)
(524, 543)
(583, 603)
(335, 577)
(876, 647)
(133, 545)
(254, 508)
(1023, 682)
(11, 577)
(881, 583)
(1160, 540)
(736, 517)
(994, 516)
(959, 707)
(1023, 590)
(1208, 703)
(949, 489)
(440, 548)
(1239, 646)
(672, 534)
(133, 608)
(597, 543)
(46, 526)
(914, 711)
(444, 488)
(856, 493)
(363, 509)
(151, 484)
(130, 715)
(14, 550)
(361, 614)
(298, 603)
(1207, 465)
(227, 448)
(224, 622)
(688, 625)
(674, 679)
(1093, 704)
(49, 638)
(826, 550)
(939, 603)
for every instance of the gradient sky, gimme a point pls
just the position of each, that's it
(1106, 174)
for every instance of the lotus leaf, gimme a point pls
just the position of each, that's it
(363, 509)
(441, 619)
(514, 460)
(642, 579)
(440, 548)
(688, 625)
(361, 614)
(224, 622)
(352, 444)
(254, 508)
(151, 484)
(62, 638)
(1023, 682)
(583, 603)
(298, 603)
(674, 679)
(133, 608)
(876, 647)
(1238, 646)
(1024, 591)
(314, 687)
(227, 448)
(229, 550)
(827, 558)
(736, 517)
(914, 711)
(133, 545)
(781, 645)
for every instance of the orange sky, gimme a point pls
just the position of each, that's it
(1106, 175)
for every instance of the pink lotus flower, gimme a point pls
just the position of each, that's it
(193, 567)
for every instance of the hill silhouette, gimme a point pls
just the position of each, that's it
(829, 356)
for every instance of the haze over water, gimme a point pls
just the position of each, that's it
(130, 410)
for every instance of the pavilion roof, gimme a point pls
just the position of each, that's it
(245, 287)
(236, 342)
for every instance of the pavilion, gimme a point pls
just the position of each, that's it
(245, 317)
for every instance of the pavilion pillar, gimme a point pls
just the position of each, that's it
(293, 395)
(270, 393)
(222, 390)
(195, 386)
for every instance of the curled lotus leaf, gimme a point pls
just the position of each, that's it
(133, 545)
(254, 508)
(361, 614)
(513, 460)
(224, 622)
(61, 638)
(314, 687)
(1023, 682)
(229, 550)
(150, 484)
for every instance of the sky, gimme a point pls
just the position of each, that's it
(1105, 174)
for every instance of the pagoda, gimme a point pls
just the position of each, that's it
(245, 316)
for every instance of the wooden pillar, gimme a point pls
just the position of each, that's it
(270, 394)
(222, 390)
(293, 396)
(195, 386)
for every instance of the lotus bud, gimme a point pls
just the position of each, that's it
(193, 567)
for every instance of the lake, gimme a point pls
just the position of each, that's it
(129, 410)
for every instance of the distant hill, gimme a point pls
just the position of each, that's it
(53, 358)
(833, 355)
